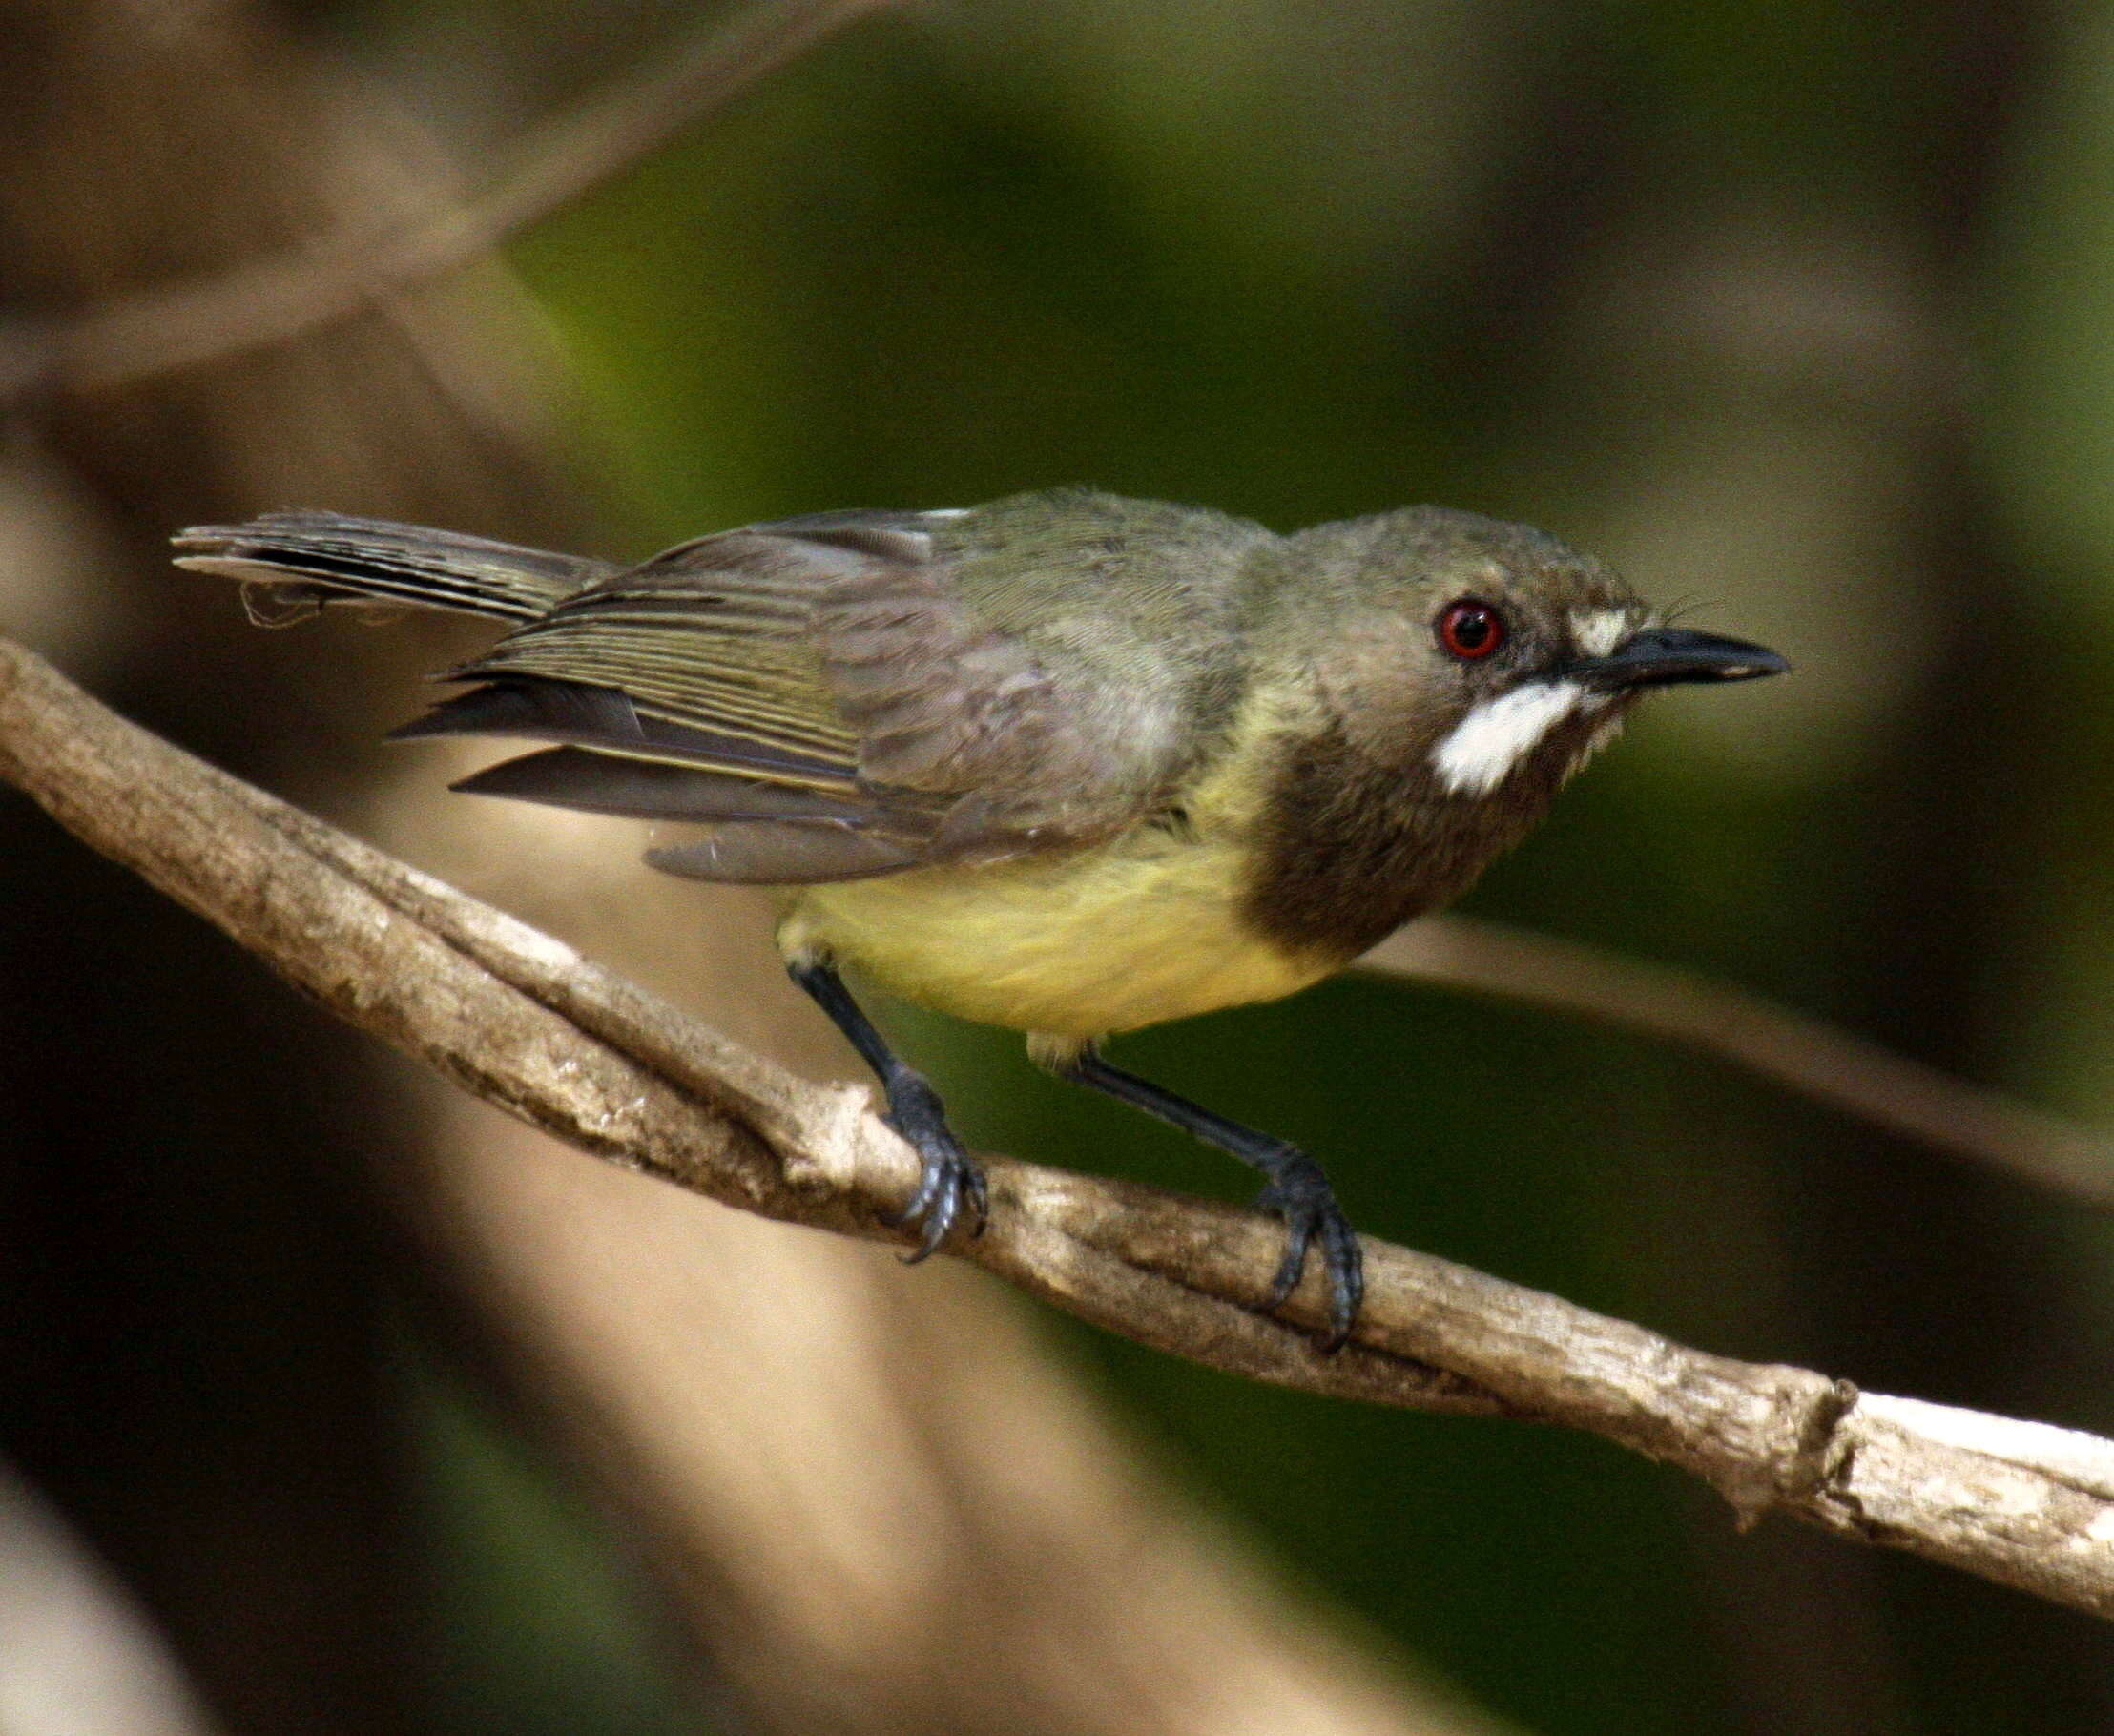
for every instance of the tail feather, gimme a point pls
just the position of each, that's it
(308, 559)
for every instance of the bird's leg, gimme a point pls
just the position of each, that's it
(951, 1184)
(1297, 1190)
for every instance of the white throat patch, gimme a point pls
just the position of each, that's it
(1486, 745)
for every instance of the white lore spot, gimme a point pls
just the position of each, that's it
(1487, 744)
(1597, 632)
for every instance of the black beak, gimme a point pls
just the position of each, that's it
(1660, 656)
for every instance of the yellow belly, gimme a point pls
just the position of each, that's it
(1143, 929)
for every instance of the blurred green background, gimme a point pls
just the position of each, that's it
(1796, 312)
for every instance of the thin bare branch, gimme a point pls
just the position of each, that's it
(1813, 1058)
(526, 1022)
(271, 301)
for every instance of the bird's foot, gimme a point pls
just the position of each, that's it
(950, 1187)
(1299, 1193)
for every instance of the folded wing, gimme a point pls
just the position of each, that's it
(821, 693)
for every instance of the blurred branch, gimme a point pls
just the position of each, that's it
(526, 1022)
(1812, 1057)
(270, 301)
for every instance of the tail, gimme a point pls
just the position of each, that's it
(304, 560)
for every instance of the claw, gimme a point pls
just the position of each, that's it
(1300, 1194)
(1298, 1237)
(931, 1178)
(939, 1218)
(949, 1181)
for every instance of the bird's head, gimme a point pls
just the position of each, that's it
(1484, 659)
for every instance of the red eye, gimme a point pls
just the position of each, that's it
(1470, 630)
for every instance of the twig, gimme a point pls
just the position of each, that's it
(524, 1022)
(1813, 1058)
(270, 301)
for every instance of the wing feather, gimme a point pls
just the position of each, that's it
(842, 662)
(605, 720)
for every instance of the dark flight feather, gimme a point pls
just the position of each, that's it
(604, 719)
(762, 834)
(647, 788)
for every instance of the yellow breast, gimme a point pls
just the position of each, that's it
(1141, 929)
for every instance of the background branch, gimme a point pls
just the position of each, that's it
(132, 338)
(527, 1023)
(1809, 1055)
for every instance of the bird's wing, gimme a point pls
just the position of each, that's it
(821, 693)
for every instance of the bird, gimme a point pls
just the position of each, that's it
(1068, 763)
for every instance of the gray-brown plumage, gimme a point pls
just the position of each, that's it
(1066, 762)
